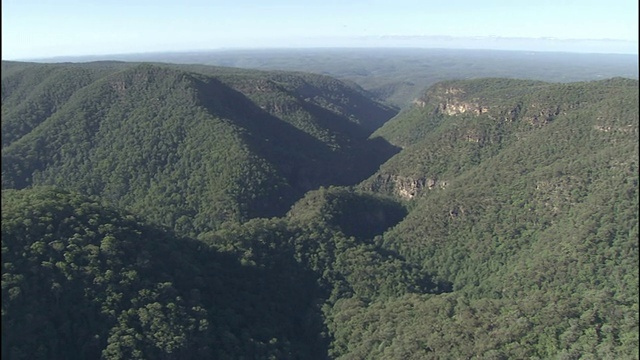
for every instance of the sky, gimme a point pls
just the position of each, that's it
(34, 29)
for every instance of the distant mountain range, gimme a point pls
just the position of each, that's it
(399, 75)
(602, 46)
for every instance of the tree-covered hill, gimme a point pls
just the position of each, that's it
(458, 125)
(202, 212)
(187, 149)
(81, 280)
(523, 196)
(362, 215)
(33, 92)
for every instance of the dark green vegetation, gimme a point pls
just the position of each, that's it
(146, 213)
(83, 281)
(399, 75)
(189, 150)
(525, 198)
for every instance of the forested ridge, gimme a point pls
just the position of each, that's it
(189, 150)
(159, 211)
(524, 196)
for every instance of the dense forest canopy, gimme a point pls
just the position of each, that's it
(189, 150)
(164, 211)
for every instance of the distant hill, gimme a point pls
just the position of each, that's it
(190, 147)
(400, 75)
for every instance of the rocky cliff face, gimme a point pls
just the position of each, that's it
(456, 100)
(451, 101)
(456, 125)
(541, 114)
(404, 187)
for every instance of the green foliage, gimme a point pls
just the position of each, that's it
(536, 229)
(354, 213)
(100, 284)
(31, 93)
(79, 280)
(457, 125)
(193, 150)
(82, 281)
(507, 227)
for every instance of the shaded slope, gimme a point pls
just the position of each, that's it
(135, 139)
(279, 90)
(359, 214)
(84, 281)
(81, 280)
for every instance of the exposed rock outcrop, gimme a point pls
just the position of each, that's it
(404, 186)
(542, 117)
(450, 101)
(457, 107)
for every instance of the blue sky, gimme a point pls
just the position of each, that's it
(48, 28)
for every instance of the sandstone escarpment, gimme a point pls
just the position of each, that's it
(405, 187)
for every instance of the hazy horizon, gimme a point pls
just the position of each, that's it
(574, 46)
(35, 30)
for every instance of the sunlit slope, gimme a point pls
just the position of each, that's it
(525, 200)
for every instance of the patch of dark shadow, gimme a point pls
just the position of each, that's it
(303, 160)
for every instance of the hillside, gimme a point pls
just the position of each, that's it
(190, 211)
(33, 92)
(458, 125)
(523, 196)
(82, 280)
(189, 150)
